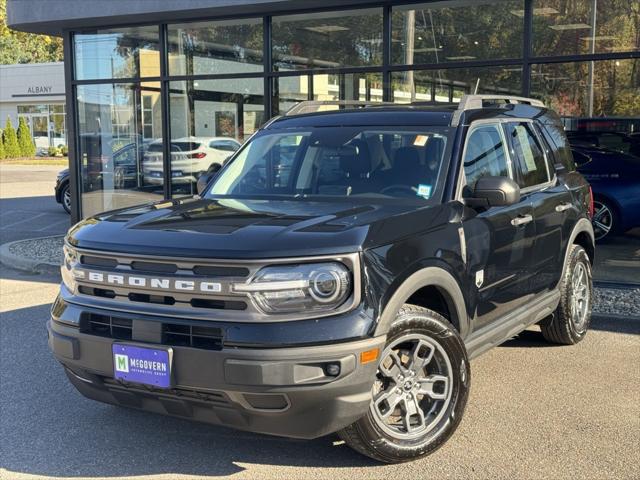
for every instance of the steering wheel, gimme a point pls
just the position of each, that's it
(405, 190)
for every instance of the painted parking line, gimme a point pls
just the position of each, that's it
(4, 227)
(51, 225)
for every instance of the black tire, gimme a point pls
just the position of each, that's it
(368, 437)
(563, 327)
(64, 195)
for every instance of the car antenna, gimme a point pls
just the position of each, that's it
(475, 91)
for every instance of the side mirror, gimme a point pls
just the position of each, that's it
(495, 192)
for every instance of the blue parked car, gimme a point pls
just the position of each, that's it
(615, 180)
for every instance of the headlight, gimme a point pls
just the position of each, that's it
(302, 287)
(67, 269)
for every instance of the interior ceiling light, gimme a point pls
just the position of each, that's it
(542, 11)
(570, 26)
(326, 28)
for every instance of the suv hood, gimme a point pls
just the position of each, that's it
(229, 228)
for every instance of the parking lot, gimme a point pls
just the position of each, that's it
(535, 410)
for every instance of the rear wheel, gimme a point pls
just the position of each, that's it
(571, 320)
(420, 392)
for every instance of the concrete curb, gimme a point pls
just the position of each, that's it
(32, 265)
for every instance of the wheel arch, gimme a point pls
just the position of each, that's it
(430, 287)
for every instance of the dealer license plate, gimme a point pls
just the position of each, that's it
(148, 366)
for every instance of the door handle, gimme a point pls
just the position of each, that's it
(562, 207)
(521, 220)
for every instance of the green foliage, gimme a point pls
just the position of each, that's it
(21, 47)
(64, 149)
(25, 141)
(54, 152)
(10, 139)
(2, 155)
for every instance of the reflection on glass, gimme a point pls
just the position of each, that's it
(209, 121)
(350, 86)
(290, 91)
(456, 31)
(232, 46)
(111, 146)
(327, 39)
(569, 28)
(589, 89)
(117, 53)
(450, 85)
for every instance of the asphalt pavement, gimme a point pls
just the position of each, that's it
(28, 207)
(535, 410)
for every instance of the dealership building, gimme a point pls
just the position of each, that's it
(149, 76)
(35, 91)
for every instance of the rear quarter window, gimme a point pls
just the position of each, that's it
(557, 139)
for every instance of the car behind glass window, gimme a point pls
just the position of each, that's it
(338, 161)
(529, 162)
(484, 154)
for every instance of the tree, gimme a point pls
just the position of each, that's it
(21, 47)
(10, 139)
(25, 141)
(1, 146)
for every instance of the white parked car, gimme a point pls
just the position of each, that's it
(190, 157)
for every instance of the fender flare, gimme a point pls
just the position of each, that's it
(428, 276)
(583, 225)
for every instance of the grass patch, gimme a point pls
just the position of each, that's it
(57, 161)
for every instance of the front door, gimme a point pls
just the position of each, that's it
(499, 240)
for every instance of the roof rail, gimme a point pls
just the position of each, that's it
(313, 106)
(469, 102)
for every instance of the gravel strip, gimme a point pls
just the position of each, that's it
(45, 250)
(617, 301)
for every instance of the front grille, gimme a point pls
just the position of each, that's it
(106, 326)
(173, 334)
(208, 338)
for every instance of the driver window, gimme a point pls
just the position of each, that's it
(484, 155)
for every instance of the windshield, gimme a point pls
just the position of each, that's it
(338, 162)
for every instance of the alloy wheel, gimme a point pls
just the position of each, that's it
(66, 199)
(602, 220)
(580, 296)
(413, 387)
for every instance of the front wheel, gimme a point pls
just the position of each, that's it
(65, 195)
(420, 391)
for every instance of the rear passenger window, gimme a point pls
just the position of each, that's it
(484, 154)
(529, 162)
(558, 142)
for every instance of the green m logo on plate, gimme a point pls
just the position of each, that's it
(122, 363)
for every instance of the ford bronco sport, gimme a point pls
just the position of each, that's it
(337, 274)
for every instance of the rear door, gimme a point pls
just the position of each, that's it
(550, 199)
(499, 240)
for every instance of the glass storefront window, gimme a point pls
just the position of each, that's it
(457, 31)
(572, 28)
(233, 46)
(451, 84)
(327, 40)
(349, 86)
(112, 150)
(290, 91)
(46, 123)
(117, 53)
(589, 89)
(209, 121)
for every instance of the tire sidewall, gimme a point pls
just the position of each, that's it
(438, 329)
(64, 191)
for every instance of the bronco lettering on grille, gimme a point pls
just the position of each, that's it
(154, 283)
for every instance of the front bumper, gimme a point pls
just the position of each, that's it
(279, 391)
